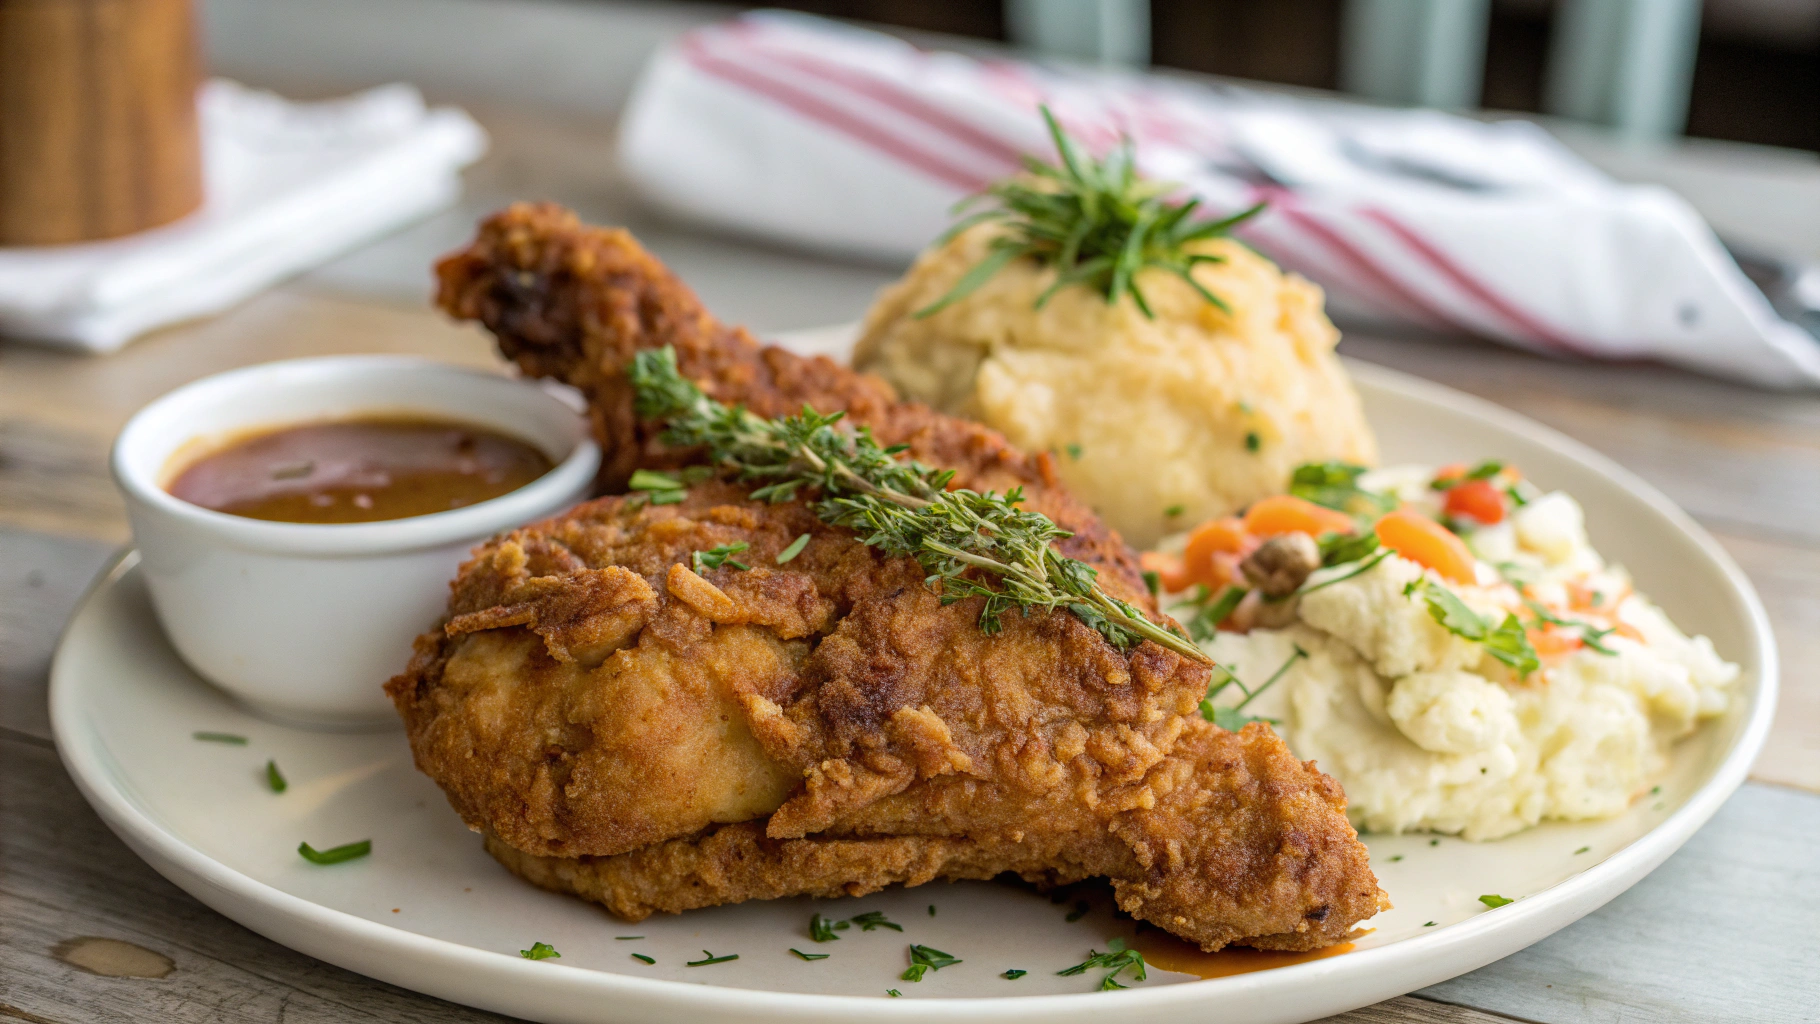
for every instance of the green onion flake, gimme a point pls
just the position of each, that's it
(796, 548)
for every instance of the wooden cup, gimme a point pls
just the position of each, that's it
(98, 133)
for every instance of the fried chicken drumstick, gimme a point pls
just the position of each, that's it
(631, 724)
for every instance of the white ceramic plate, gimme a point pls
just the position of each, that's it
(428, 910)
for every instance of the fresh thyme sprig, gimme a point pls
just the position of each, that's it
(899, 506)
(1095, 221)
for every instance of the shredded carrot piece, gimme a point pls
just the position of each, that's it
(1286, 513)
(1427, 543)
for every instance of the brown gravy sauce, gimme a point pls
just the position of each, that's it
(358, 470)
(1166, 952)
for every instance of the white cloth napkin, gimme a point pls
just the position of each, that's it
(835, 138)
(288, 186)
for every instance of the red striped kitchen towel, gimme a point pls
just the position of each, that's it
(822, 135)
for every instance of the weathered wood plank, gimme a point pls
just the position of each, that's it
(41, 578)
(66, 876)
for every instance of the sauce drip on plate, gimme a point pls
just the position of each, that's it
(359, 471)
(1165, 952)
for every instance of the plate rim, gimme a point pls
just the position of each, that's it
(1431, 958)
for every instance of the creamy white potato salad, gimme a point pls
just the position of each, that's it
(1445, 643)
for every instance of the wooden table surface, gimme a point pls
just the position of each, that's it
(1725, 930)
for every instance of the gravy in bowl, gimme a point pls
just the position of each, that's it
(359, 470)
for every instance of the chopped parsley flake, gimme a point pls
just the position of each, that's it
(1335, 485)
(1205, 622)
(1581, 850)
(931, 910)
(1396, 857)
(822, 930)
(924, 958)
(1428, 924)
(1013, 974)
(220, 737)
(719, 555)
(623, 938)
(1506, 642)
(1483, 471)
(1175, 510)
(796, 548)
(1340, 548)
(1233, 718)
(646, 959)
(1252, 442)
(1494, 901)
(710, 958)
(336, 854)
(540, 951)
(1434, 842)
(873, 919)
(1118, 957)
(810, 956)
(1074, 452)
(274, 778)
(893, 993)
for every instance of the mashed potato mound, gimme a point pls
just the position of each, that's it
(1198, 411)
(1428, 732)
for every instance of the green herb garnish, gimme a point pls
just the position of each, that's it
(220, 737)
(540, 951)
(650, 480)
(1094, 221)
(336, 854)
(1074, 451)
(719, 555)
(646, 959)
(924, 958)
(274, 778)
(1434, 842)
(1205, 622)
(1428, 924)
(874, 919)
(1340, 548)
(1494, 901)
(623, 938)
(667, 497)
(1175, 510)
(822, 930)
(931, 910)
(893, 993)
(1506, 641)
(796, 548)
(1013, 974)
(1153, 582)
(1080, 910)
(1252, 441)
(1396, 857)
(808, 956)
(1483, 471)
(710, 958)
(1335, 485)
(1233, 718)
(1117, 957)
(1581, 850)
(903, 508)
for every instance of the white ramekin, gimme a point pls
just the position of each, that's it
(305, 622)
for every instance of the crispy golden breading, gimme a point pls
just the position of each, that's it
(647, 736)
(626, 728)
(575, 303)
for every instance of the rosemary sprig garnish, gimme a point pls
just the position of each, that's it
(1095, 221)
(899, 506)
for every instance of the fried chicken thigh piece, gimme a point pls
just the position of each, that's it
(626, 728)
(575, 302)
